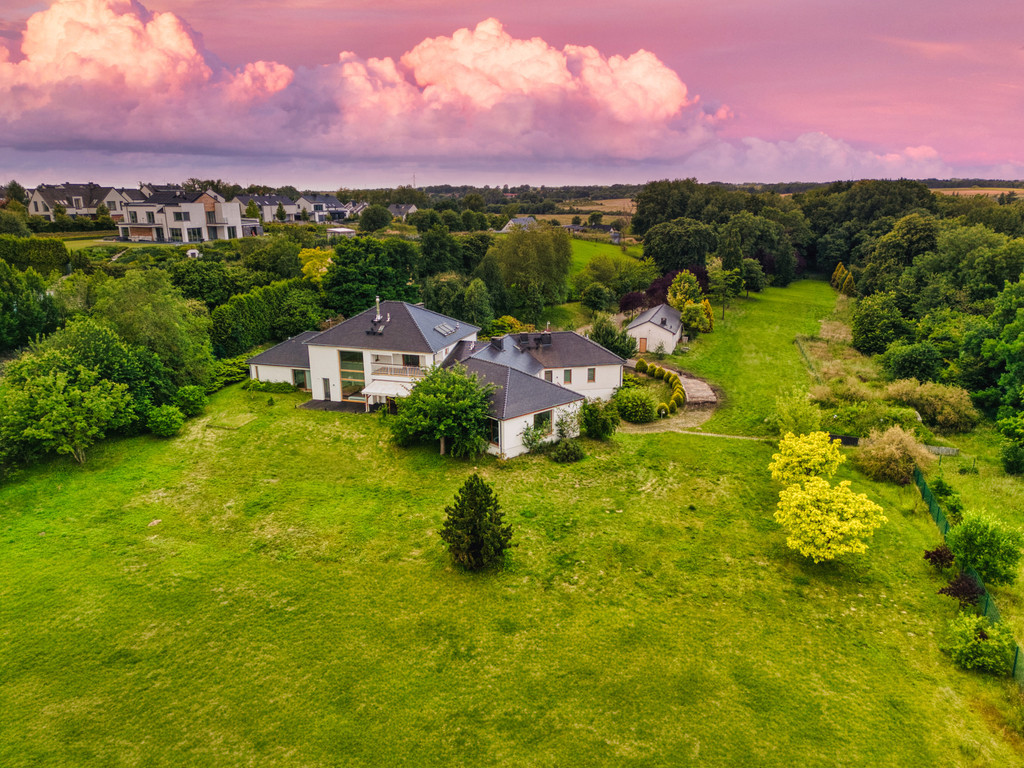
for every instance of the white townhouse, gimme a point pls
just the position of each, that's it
(77, 199)
(182, 217)
(268, 205)
(322, 208)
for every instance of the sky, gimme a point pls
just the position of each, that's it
(324, 94)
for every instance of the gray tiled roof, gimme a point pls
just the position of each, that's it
(292, 353)
(563, 349)
(656, 315)
(170, 197)
(265, 199)
(503, 350)
(518, 393)
(92, 194)
(403, 328)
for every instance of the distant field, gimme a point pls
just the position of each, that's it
(989, 191)
(584, 250)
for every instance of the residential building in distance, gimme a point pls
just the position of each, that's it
(321, 208)
(401, 211)
(77, 199)
(268, 205)
(184, 217)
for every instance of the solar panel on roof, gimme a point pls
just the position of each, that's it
(444, 329)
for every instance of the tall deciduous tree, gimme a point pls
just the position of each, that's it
(803, 456)
(474, 527)
(824, 521)
(615, 340)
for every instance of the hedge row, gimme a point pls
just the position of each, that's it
(43, 254)
(247, 320)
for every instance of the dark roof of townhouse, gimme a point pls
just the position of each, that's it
(662, 315)
(401, 327)
(265, 199)
(504, 351)
(135, 195)
(401, 209)
(563, 349)
(292, 353)
(92, 194)
(526, 222)
(326, 199)
(170, 197)
(517, 393)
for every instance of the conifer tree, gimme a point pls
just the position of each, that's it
(473, 528)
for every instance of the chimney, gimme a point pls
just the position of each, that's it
(389, 318)
(548, 326)
(377, 318)
(663, 320)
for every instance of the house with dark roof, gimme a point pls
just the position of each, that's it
(268, 206)
(378, 355)
(401, 211)
(174, 216)
(657, 327)
(520, 222)
(286, 362)
(77, 199)
(322, 208)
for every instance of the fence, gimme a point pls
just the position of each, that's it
(807, 360)
(986, 605)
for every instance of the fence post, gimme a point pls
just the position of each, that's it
(1016, 653)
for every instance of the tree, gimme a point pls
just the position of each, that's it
(61, 412)
(280, 214)
(477, 304)
(986, 546)
(207, 281)
(877, 323)
(824, 521)
(528, 269)
(474, 528)
(14, 191)
(753, 276)
(803, 456)
(13, 224)
(440, 251)
(679, 243)
(963, 588)
(615, 340)
(595, 218)
(253, 210)
(26, 308)
(596, 298)
(723, 284)
(447, 404)
(374, 218)
(685, 289)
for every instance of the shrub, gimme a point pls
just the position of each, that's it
(892, 455)
(679, 399)
(656, 371)
(986, 546)
(1012, 454)
(672, 407)
(860, 418)
(641, 366)
(803, 456)
(941, 557)
(964, 588)
(912, 361)
(948, 409)
(567, 451)
(599, 419)
(662, 410)
(228, 371)
(795, 413)
(629, 381)
(191, 400)
(165, 421)
(278, 387)
(635, 405)
(473, 527)
(533, 437)
(974, 643)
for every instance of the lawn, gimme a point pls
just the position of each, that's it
(584, 250)
(751, 355)
(269, 589)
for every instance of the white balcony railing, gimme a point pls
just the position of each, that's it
(406, 371)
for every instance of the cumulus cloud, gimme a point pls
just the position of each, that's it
(112, 76)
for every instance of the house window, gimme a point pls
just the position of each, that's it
(300, 378)
(112, 205)
(353, 377)
(76, 202)
(176, 235)
(181, 216)
(567, 375)
(591, 374)
(542, 421)
(133, 217)
(548, 376)
(211, 217)
(318, 206)
(495, 431)
(124, 232)
(195, 235)
(232, 233)
(150, 217)
(35, 206)
(411, 361)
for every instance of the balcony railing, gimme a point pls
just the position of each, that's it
(407, 371)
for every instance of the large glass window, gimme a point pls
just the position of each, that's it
(232, 233)
(542, 421)
(411, 361)
(299, 378)
(495, 431)
(175, 234)
(195, 235)
(353, 378)
(150, 217)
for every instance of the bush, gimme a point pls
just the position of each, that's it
(191, 400)
(795, 413)
(635, 405)
(1012, 455)
(473, 527)
(987, 547)
(228, 371)
(974, 643)
(963, 588)
(165, 421)
(599, 419)
(912, 361)
(641, 366)
(948, 409)
(672, 407)
(279, 387)
(629, 381)
(941, 557)
(860, 418)
(892, 455)
(662, 410)
(567, 451)
(533, 437)
(679, 399)
(840, 391)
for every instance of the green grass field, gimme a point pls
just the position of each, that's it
(269, 589)
(751, 355)
(584, 250)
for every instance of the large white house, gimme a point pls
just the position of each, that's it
(380, 354)
(175, 216)
(268, 205)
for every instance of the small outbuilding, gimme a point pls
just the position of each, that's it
(657, 326)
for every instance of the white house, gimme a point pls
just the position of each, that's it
(400, 211)
(268, 205)
(322, 208)
(656, 327)
(521, 222)
(77, 199)
(380, 354)
(181, 217)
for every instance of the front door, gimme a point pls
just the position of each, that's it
(643, 345)
(327, 389)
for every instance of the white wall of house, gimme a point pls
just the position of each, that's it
(511, 430)
(655, 334)
(273, 373)
(606, 379)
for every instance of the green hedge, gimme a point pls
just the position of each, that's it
(248, 319)
(43, 254)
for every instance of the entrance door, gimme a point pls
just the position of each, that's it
(643, 345)
(327, 389)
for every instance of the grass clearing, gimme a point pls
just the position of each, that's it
(276, 594)
(584, 250)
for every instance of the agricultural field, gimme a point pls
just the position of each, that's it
(987, 191)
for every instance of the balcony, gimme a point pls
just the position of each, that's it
(405, 371)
